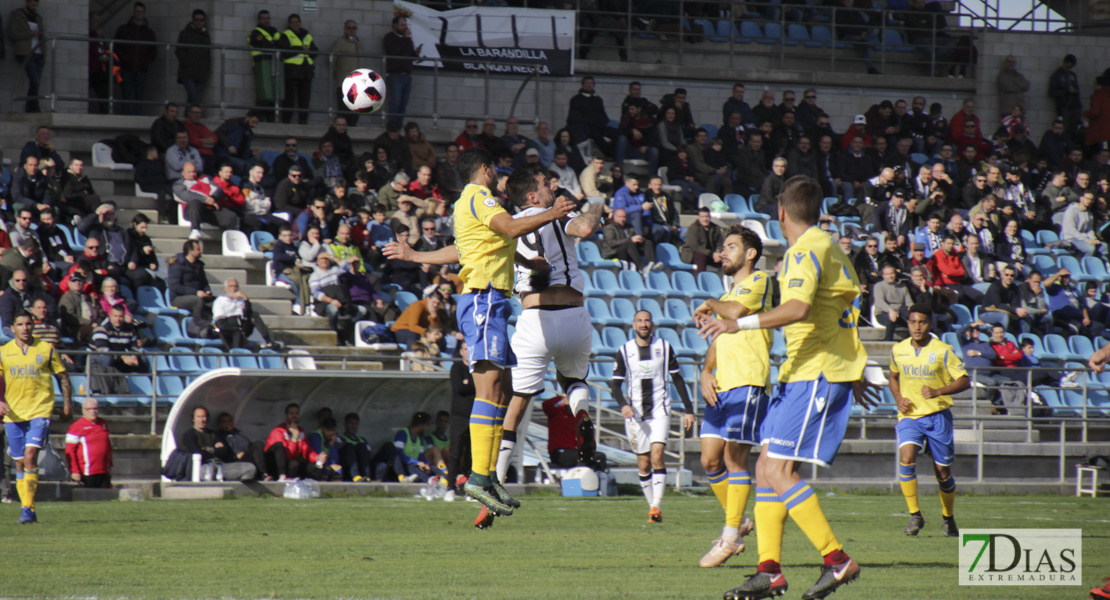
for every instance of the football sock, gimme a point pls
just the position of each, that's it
(770, 519)
(21, 488)
(482, 419)
(907, 476)
(947, 495)
(835, 557)
(31, 483)
(578, 397)
(658, 486)
(739, 488)
(806, 512)
(645, 486)
(730, 533)
(505, 455)
(498, 433)
(718, 482)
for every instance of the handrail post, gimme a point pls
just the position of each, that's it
(53, 75)
(154, 397)
(682, 29)
(979, 452)
(1028, 406)
(276, 64)
(223, 75)
(1063, 449)
(111, 77)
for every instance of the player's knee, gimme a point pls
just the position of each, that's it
(942, 472)
(711, 464)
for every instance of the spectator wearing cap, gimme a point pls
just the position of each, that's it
(1063, 88)
(532, 157)
(417, 317)
(855, 166)
(858, 127)
(892, 218)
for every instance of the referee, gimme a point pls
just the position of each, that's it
(28, 365)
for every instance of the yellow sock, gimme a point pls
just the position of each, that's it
(947, 495)
(806, 512)
(495, 449)
(907, 476)
(739, 488)
(482, 419)
(770, 518)
(31, 484)
(718, 482)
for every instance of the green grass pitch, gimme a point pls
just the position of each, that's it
(553, 548)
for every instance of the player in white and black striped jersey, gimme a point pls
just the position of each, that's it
(648, 364)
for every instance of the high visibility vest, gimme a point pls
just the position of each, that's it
(294, 41)
(266, 34)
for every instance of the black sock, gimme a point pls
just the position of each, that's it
(915, 514)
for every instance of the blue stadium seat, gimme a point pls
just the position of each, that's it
(683, 280)
(709, 30)
(599, 313)
(634, 283)
(725, 30)
(602, 369)
(1072, 264)
(692, 341)
(403, 299)
(678, 310)
(1046, 237)
(1057, 345)
(657, 316)
(778, 345)
(1031, 245)
(260, 237)
(918, 159)
(1053, 400)
(736, 203)
(659, 282)
(68, 234)
(168, 332)
(893, 42)
(606, 281)
(711, 283)
(822, 37)
(671, 337)
(981, 287)
(1095, 268)
(141, 388)
(152, 301)
(709, 128)
(612, 339)
(590, 256)
(774, 231)
(268, 157)
(772, 34)
(241, 358)
(1043, 263)
(211, 358)
(169, 388)
(668, 255)
(751, 31)
(1081, 345)
(623, 310)
(208, 343)
(163, 364)
(596, 345)
(992, 317)
(184, 361)
(796, 33)
(1038, 348)
(953, 340)
(269, 359)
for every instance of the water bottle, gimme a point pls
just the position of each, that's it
(196, 468)
(219, 472)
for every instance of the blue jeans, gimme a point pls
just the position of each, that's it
(193, 91)
(132, 87)
(399, 88)
(1087, 248)
(651, 155)
(282, 277)
(32, 66)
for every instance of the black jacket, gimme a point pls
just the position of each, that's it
(186, 278)
(163, 133)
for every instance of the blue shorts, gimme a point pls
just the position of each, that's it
(931, 433)
(807, 420)
(484, 320)
(35, 433)
(737, 416)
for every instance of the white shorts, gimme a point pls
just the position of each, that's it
(563, 335)
(642, 434)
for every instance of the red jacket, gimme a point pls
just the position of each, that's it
(198, 132)
(562, 427)
(947, 270)
(853, 131)
(232, 196)
(1009, 355)
(956, 126)
(1098, 117)
(88, 449)
(295, 448)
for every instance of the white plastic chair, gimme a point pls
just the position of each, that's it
(102, 157)
(758, 228)
(874, 374)
(139, 193)
(706, 199)
(301, 360)
(236, 244)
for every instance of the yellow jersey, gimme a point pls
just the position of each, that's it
(744, 357)
(935, 365)
(28, 385)
(816, 271)
(486, 256)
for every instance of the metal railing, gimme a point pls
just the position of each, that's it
(220, 86)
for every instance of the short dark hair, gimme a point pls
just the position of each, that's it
(420, 418)
(138, 219)
(120, 308)
(747, 237)
(188, 246)
(471, 161)
(522, 181)
(704, 209)
(443, 413)
(25, 313)
(328, 423)
(291, 406)
(801, 198)
(200, 12)
(922, 309)
(397, 19)
(678, 91)
(351, 417)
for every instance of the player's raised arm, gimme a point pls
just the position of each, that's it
(727, 310)
(789, 312)
(585, 224)
(447, 255)
(504, 224)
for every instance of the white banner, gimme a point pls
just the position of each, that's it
(519, 40)
(1021, 557)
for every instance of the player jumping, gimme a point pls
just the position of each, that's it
(736, 396)
(27, 365)
(644, 362)
(809, 412)
(924, 373)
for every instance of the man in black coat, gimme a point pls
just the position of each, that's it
(587, 119)
(163, 131)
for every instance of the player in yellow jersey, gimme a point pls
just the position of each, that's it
(736, 395)
(485, 238)
(924, 373)
(28, 364)
(809, 412)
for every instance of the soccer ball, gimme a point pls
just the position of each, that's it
(363, 91)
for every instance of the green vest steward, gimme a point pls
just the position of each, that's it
(269, 37)
(296, 42)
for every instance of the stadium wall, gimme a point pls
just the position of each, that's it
(841, 94)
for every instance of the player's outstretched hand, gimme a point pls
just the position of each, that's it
(865, 393)
(708, 388)
(562, 207)
(398, 249)
(1099, 359)
(711, 327)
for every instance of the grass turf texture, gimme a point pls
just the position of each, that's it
(552, 548)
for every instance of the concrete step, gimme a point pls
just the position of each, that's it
(216, 277)
(878, 351)
(871, 334)
(130, 201)
(997, 435)
(308, 337)
(179, 232)
(350, 365)
(264, 292)
(271, 306)
(124, 215)
(168, 245)
(219, 261)
(295, 322)
(330, 351)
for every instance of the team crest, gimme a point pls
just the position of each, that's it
(38, 359)
(932, 358)
(798, 256)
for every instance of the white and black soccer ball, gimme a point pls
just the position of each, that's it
(586, 477)
(363, 91)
